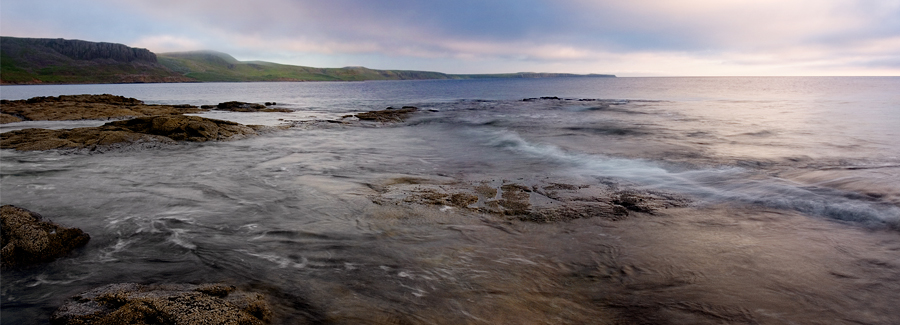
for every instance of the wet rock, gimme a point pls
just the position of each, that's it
(235, 106)
(8, 118)
(84, 107)
(130, 303)
(142, 132)
(186, 128)
(389, 114)
(540, 201)
(28, 240)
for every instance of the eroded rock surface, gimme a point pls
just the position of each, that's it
(538, 201)
(84, 107)
(144, 131)
(130, 303)
(28, 240)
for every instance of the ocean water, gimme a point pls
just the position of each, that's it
(792, 184)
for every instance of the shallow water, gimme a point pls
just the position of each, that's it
(792, 181)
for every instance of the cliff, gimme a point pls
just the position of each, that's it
(44, 60)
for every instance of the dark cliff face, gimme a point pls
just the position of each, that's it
(61, 61)
(84, 50)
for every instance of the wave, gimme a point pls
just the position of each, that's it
(723, 184)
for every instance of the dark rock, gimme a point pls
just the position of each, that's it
(143, 130)
(389, 114)
(84, 107)
(130, 303)
(100, 99)
(235, 106)
(271, 103)
(541, 98)
(84, 50)
(207, 106)
(27, 240)
(239, 106)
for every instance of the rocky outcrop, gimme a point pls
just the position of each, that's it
(84, 107)
(176, 304)
(187, 128)
(389, 114)
(28, 240)
(529, 200)
(144, 131)
(235, 106)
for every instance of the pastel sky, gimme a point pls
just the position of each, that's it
(626, 38)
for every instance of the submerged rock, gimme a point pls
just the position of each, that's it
(130, 303)
(84, 107)
(539, 201)
(144, 131)
(28, 240)
(235, 106)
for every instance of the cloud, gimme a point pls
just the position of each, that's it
(738, 36)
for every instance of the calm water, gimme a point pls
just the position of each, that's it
(788, 177)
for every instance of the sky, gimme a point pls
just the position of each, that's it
(626, 38)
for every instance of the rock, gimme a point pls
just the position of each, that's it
(271, 103)
(130, 303)
(234, 106)
(27, 240)
(85, 107)
(389, 114)
(154, 130)
(536, 200)
(7, 118)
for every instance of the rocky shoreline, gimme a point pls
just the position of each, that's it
(136, 124)
(84, 107)
(29, 241)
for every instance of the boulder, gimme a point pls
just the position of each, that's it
(28, 240)
(130, 303)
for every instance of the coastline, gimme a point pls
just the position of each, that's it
(465, 211)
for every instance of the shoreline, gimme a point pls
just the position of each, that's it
(327, 236)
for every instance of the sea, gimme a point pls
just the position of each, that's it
(792, 187)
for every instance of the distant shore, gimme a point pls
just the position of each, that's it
(34, 61)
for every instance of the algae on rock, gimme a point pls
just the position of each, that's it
(28, 240)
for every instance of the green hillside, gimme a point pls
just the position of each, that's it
(60, 61)
(44, 60)
(216, 66)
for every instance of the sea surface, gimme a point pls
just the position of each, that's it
(793, 184)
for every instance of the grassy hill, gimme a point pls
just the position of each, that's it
(216, 66)
(59, 61)
(44, 60)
